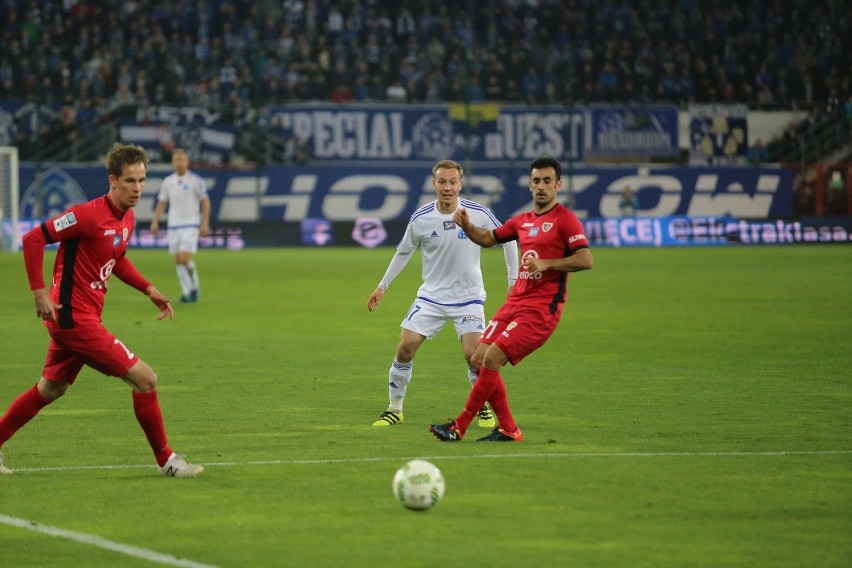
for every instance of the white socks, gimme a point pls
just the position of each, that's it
(398, 378)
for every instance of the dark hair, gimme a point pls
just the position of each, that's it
(121, 155)
(547, 162)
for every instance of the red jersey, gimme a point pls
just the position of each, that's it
(554, 234)
(93, 240)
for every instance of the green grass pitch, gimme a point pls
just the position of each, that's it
(692, 409)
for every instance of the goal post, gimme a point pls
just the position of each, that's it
(9, 196)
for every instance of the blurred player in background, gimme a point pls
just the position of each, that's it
(553, 244)
(185, 194)
(452, 289)
(93, 241)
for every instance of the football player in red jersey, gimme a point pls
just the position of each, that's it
(552, 243)
(93, 240)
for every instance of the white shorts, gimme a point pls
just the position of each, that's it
(428, 319)
(184, 239)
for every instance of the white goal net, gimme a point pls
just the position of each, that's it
(9, 207)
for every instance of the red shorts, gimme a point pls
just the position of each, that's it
(91, 345)
(519, 330)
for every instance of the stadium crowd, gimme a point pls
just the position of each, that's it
(98, 60)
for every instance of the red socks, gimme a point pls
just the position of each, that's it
(21, 411)
(500, 406)
(489, 386)
(150, 417)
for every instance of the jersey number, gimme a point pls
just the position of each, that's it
(126, 350)
(492, 325)
(413, 311)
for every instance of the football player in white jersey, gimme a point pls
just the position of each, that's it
(452, 289)
(185, 194)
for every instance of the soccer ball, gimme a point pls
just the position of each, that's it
(418, 485)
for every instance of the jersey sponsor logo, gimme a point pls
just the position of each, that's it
(574, 238)
(533, 232)
(449, 225)
(105, 272)
(67, 220)
(546, 226)
(434, 235)
(524, 273)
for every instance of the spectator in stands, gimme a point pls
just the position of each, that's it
(396, 93)
(758, 153)
(296, 152)
(629, 202)
(836, 195)
(805, 203)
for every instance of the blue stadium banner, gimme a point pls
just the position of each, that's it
(718, 135)
(713, 231)
(394, 192)
(160, 130)
(632, 130)
(482, 132)
(24, 119)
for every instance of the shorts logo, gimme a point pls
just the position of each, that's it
(509, 327)
(64, 222)
(546, 226)
(468, 319)
(449, 225)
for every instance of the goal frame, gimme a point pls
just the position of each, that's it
(12, 215)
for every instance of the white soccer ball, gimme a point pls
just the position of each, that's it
(418, 485)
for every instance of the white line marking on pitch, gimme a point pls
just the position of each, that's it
(780, 453)
(99, 542)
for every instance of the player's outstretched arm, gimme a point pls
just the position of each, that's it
(482, 237)
(161, 302)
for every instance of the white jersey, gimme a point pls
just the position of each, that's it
(183, 194)
(451, 270)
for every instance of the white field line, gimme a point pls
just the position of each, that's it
(565, 455)
(94, 540)
(153, 556)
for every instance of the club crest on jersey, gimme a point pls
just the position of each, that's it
(125, 232)
(64, 221)
(546, 226)
(449, 225)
